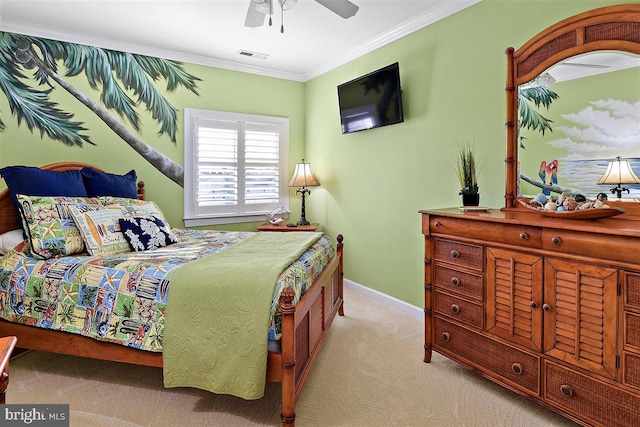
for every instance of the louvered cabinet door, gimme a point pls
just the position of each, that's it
(514, 296)
(580, 311)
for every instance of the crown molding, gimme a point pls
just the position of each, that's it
(420, 21)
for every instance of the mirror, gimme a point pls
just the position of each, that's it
(569, 51)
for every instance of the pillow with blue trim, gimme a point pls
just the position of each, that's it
(146, 232)
(33, 181)
(100, 183)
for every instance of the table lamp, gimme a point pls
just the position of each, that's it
(303, 177)
(619, 172)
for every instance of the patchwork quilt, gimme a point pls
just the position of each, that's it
(121, 298)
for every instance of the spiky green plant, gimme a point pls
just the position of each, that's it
(466, 169)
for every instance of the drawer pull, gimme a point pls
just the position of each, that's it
(455, 308)
(455, 253)
(566, 390)
(516, 368)
(546, 307)
(446, 336)
(556, 240)
(533, 304)
(455, 281)
(524, 236)
(437, 224)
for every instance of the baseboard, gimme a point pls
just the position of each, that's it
(385, 299)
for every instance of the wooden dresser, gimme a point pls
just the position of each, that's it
(549, 308)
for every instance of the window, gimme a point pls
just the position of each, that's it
(235, 166)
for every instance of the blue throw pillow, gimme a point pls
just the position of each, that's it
(33, 181)
(146, 232)
(107, 184)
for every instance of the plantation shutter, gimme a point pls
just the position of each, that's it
(238, 167)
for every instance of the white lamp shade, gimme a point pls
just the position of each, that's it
(619, 172)
(303, 176)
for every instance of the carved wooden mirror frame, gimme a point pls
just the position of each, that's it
(608, 28)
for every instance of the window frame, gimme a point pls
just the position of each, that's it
(191, 116)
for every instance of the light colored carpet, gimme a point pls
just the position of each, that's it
(369, 373)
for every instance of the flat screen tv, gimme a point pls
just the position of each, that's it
(371, 101)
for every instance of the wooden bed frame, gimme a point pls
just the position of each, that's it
(304, 326)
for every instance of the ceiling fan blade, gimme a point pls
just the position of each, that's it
(255, 18)
(344, 8)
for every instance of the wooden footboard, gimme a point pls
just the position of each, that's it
(304, 328)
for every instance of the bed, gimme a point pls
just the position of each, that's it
(302, 326)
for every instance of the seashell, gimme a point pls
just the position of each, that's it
(580, 198)
(602, 197)
(540, 198)
(598, 204)
(585, 206)
(569, 204)
(535, 203)
(550, 206)
(560, 209)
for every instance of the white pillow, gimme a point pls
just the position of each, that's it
(10, 240)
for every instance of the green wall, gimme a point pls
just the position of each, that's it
(373, 182)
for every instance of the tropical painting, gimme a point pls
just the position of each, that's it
(31, 68)
(588, 124)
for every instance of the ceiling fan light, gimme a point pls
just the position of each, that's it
(287, 4)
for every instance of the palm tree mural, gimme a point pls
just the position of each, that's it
(113, 73)
(529, 117)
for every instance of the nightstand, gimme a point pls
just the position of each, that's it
(6, 347)
(267, 226)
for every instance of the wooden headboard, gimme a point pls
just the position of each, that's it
(9, 219)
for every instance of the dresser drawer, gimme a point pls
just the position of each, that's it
(458, 281)
(459, 309)
(457, 253)
(511, 365)
(619, 248)
(520, 235)
(597, 401)
(632, 331)
(631, 291)
(631, 371)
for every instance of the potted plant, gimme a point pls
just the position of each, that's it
(467, 172)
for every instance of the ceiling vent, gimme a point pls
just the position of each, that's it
(250, 54)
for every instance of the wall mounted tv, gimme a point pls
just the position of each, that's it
(371, 101)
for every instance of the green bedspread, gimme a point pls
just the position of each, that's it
(217, 315)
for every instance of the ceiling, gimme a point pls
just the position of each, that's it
(212, 32)
(593, 63)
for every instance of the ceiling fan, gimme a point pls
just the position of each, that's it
(258, 10)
